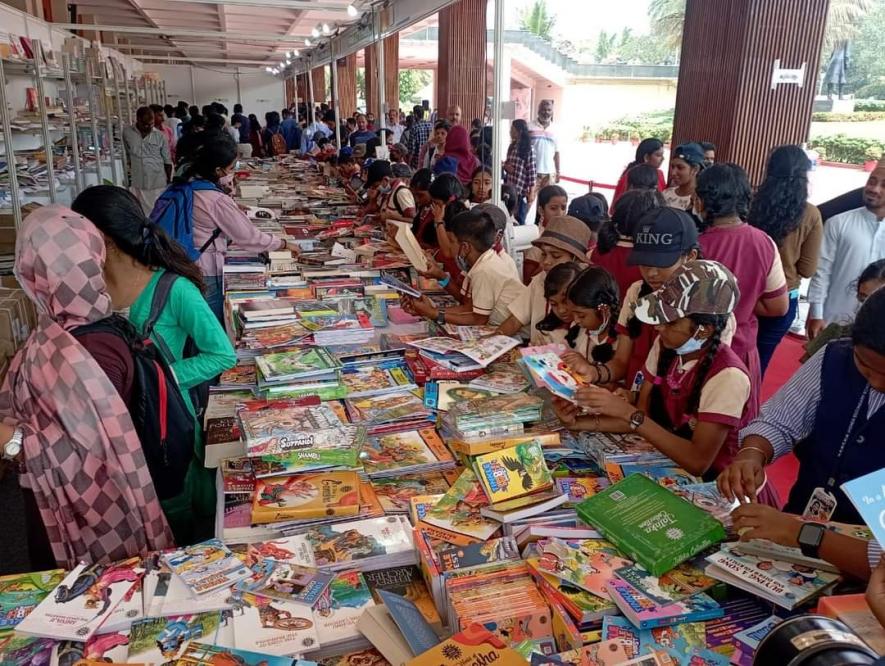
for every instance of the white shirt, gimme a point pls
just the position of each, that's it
(397, 130)
(546, 145)
(492, 284)
(147, 158)
(852, 241)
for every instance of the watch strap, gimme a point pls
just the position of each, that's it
(810, 537)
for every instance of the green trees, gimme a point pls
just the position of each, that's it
(537, 20)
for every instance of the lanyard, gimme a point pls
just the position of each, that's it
(831, 482)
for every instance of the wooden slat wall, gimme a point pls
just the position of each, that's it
(724, 93)
(319, 85)
(461, 73)
(391, 75)
(301, 83)
(290, 91)
(347, 85)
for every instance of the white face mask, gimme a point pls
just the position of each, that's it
(226, 180)
(601, 332)
(690, 346)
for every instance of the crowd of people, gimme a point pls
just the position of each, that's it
(670, 303)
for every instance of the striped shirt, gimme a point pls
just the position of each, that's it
(788, 417)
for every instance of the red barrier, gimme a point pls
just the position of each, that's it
(591, 183)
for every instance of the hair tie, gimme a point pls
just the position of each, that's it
(147, 236)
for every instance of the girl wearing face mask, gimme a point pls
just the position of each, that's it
(217, 220)
(697, 396)
(593, 301)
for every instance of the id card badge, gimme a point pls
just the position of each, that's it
(821, 506)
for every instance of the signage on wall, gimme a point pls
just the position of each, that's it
(787, 76)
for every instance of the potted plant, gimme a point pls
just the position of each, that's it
(635, 138)
(872, 155)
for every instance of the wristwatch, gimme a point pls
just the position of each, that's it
(441, 316)
(14, 446)
(810, 537)
(637, 418)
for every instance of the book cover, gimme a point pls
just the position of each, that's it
(288, 582)
(514, 472)
(452, 558)
(580, 488)
(368, 657)
(867, 493)
(164, 639)
(549, 371)
(650, 524)
(370, 380)
(289, 550)
(352, 542)
(407, 582)
(615, 627)
(407, 450)
(459, 509)
(329, 448)
(679, 583)
(83, 601)
(782, 583)
(587, 568)
(474, 645)
(749, 638)
(481, 351)
(645, 614)
(682, 642)
(276, 431)
(206, 566)
(305, 496)
(420, 505)
(262, 624)
(338, 610)
(581, 605)
(206, 654)
(668, 476)
(306, 362)
(853, 610)
(415, 629)
(394, 493)
(378, 627)
(502, 378)
(387, 408)
(21, 593)
(441, 395)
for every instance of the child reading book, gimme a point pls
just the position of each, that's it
(552, 203)
(490, 284)
(565, 239)
(555, 326)
(593, 301)
(697, 396)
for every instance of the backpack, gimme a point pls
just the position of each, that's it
(395, 199)
(159, 413)
(174, 212)
(199, 394)
(278, 144)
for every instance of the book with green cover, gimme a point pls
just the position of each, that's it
(650, 524)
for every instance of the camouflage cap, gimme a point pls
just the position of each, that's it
(698, 287)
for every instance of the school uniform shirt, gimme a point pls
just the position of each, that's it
(851, 242)
(530, 307)
(621, 187)
(399, 200)
(492, 285)
(615, 262)
(725, 395)
(676, 201)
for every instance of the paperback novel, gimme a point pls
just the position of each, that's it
(306, 496)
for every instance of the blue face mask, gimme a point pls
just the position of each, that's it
(690, 346)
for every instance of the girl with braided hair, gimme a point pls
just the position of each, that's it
(697, 396)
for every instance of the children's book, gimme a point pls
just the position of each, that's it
(481, 352)
(284, 429)
(748, 639)
(514, 472)
(206, 566)
(288, 582)
(206, 654)
(440, 395)
(682, 642)
(83, 601)
(459, 509)
(369, 380)
(21, 593)
(395, 492)
(415, 629)
(782, 583)
(352, 544)
(306, 496)
(338, 448)
(419, 505)
(296, 364)
(579, 488)
(407, 582)
(400, 286)
(161, 640)
(404, 452)
(526, 506)
(668, 476)
(502, 378)
(453, 558)
(473, 645)
(867, 493)
(580, 565)
(615, 627)
(650, 524)
(400, 406)
(643, 612)
(262, 624)
(679, 583)
(342, 604)
(549, 371)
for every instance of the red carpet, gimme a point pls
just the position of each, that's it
(783, 364)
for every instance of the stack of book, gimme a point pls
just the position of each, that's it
(301, 371)
(493, 417)
(405, 452)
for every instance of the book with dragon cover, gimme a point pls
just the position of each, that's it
(513, 472)
(305, 496)
(459, 509)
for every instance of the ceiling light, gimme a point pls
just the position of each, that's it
(315, 32)
(326, 29)
(352, 10)
(288, 54)
(306, 41)
(288, 62)
(295, 53)
(269, 70)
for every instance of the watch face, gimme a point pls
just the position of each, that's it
(811, 534)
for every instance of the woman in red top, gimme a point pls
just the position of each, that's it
(649, 151)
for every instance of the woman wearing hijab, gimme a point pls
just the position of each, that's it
(458, 157)
(84, 474)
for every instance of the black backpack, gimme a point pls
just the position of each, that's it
(159, 413)
(199, 394)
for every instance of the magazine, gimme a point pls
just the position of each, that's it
(549, 371)
(481, 351)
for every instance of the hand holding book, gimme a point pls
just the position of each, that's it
(758, 521)
(602, 402)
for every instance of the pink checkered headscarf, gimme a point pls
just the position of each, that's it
(82, 457)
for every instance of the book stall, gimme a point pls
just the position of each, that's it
(393, 491)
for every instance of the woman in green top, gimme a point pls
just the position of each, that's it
(138, 253)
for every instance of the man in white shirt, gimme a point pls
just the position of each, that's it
(545, 144)
(851, 242)
(394, 125)
(150, 163)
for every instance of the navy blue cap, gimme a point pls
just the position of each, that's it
(661, 237)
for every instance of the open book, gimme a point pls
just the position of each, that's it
(481, 351)
(409, 245)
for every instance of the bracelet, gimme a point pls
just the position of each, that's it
(599, 368)
(445, 281)
(765, 459)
